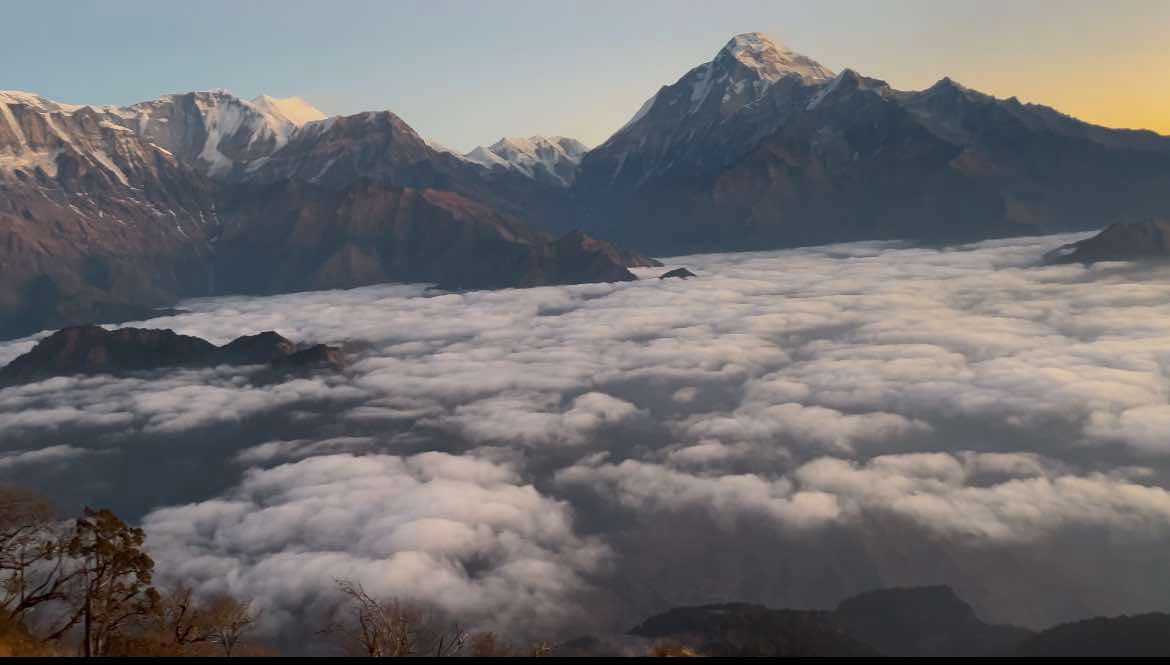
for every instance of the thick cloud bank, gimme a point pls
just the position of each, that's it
(788, 427)
(456, 531)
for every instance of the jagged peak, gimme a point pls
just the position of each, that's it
(37, 101)
(532, 143)
(528, 155)
(947, 85)
(772, 61)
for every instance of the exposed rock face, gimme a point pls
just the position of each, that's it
(339, 151)
(215, 132)
(318, 356)
(1118, 242)
(1139, 636)
(681, 273)
(762, 148)
(264, 347)
(96, 222)
(95, 350)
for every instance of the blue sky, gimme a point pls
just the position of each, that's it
(466, 73)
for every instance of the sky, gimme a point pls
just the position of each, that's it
(466, 73)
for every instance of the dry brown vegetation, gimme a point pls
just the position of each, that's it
(672, 650)
(85, 587)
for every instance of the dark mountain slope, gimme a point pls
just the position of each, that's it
(923, 621)
(1118, 242)
(759, 149)
(294, 236)
(1139, 636)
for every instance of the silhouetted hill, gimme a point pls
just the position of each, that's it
(681, 273)
(1142, 635)
(95, 350)
(923, 621)
(1118, 242)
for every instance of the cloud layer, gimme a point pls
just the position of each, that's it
(455, 531)
(521, 453)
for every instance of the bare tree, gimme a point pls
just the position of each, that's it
(365, 625)
(183, 623)
(229, 620)
(33, 562)
(115, 586)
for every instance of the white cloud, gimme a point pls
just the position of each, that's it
(517, 418)
(935, 490)
(45, 455)
(461, 532)
(968, 391)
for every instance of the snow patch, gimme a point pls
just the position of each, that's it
(293, 109)
(554, 156)
(771, 61)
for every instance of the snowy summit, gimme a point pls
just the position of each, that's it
(294, 109)
(772, 61)
(553, 158)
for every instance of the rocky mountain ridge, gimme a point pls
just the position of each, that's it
(93, 350)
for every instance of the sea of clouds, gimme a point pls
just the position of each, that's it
(789, 427)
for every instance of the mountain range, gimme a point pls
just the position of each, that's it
(108, 212)
(762, 147)
(927, 621)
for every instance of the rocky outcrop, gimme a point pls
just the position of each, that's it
(1118, 242)
(265, 347)
(88, 350)
(679, 273)
(318, 356)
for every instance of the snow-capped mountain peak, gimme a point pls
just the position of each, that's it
(772, 61)
(552, 158)
(35, 101)
(294, 109)
(749, 68)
